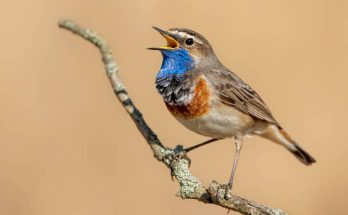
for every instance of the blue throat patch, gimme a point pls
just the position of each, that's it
(175, 63)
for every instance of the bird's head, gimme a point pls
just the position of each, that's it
(185, 49)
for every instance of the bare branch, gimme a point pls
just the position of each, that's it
(190, 186)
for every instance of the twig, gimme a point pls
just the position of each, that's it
(190, 186)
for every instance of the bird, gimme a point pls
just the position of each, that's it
(208, 98)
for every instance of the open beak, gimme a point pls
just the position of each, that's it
(172, 43)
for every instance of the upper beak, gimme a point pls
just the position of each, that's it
(172, 43)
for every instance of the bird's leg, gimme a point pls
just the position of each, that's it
(238, 143)
(180, 152)
(200, 144)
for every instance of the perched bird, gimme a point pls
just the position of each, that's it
(209, 99)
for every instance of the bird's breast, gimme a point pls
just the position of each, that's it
(197, 106)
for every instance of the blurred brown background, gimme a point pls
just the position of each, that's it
(67, 146)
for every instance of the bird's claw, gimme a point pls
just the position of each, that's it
(179, 153)
(225, 190)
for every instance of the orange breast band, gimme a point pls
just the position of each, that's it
(198, 106)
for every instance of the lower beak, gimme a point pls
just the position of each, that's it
(172, 43)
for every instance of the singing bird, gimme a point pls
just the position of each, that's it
(209, 99)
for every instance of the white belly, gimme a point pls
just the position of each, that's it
(220, 123)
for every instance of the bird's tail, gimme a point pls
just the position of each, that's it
(280, 136)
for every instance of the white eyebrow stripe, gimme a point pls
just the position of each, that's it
(186, 35)
(182, 34)
(197, 40)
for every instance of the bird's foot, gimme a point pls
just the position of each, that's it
(179, 153)
(225, 190)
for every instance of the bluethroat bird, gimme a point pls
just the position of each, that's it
(209, 99)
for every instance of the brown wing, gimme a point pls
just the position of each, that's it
(236, 93)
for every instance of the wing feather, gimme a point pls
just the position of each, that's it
(234, 92)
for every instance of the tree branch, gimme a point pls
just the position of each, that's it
(190, 186)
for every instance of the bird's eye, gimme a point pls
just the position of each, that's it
(189, 41)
